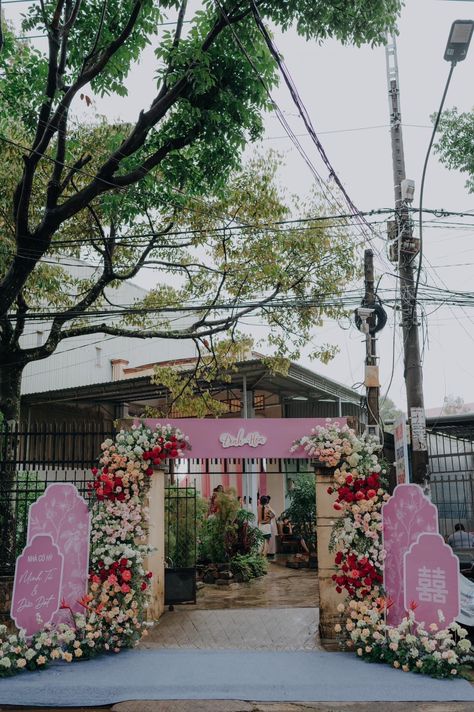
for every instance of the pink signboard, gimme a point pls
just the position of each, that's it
(245, 438)
(406, 515)
(432, 580)
(37, 584)
(62, 513)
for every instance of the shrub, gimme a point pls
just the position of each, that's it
(248, 566)
(302, 509)
(183, 523)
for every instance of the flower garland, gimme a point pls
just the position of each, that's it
(119, 589)
(360, 490)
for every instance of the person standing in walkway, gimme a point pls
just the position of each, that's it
(213, 504)
(265, 516)
(271, 551)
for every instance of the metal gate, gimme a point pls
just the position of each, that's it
(452, 479)
(180, 544)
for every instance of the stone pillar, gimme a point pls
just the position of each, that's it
(155, 562)
(328, 597)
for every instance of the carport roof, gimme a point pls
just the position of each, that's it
(298, 382)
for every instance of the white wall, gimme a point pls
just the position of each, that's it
(84, 360)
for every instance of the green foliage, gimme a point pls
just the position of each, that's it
(158, 193)
(28, 487)
(455, 146)
(228, 533)
(302, 509)
(248, 566)
(389, 412)
(184, 517)
(192, 395)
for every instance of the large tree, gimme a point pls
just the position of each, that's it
(158, 192)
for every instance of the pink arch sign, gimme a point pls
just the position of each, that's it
(230, 438)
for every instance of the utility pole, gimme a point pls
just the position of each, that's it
(371, 366)
(406, 248)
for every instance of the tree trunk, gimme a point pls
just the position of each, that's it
(10, 384)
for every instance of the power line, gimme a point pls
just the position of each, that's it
(303, 112)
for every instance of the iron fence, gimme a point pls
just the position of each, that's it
(54, 445)
(452, 480)
(33, 458)
(181, 534)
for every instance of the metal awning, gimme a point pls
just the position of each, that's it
(298, 382)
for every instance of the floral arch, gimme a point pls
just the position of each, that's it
(359, 489)
(119, 584)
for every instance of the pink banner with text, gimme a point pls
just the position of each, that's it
(244, 438)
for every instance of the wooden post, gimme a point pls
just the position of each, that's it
(328, 597)
(155, 562)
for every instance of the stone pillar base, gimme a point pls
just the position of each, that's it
(328, 596)
(155, 562)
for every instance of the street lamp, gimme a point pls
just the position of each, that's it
(459, 40)
(456, 50)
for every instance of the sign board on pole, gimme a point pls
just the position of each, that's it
(402, 463)
(418, 429)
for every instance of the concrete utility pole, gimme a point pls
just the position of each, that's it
(371, 366)
(403, 250)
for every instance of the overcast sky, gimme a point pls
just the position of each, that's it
(345, 91)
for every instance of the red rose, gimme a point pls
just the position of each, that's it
(144, 586)
(371, 493)
(94, 471)
(330, 490)
(349, 479)
(338, 557)
(337, 506)
(359, 495)
(174, 453)
(123, 562)
(149, 575)
(149, 471)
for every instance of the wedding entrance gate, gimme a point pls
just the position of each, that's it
(251, 442)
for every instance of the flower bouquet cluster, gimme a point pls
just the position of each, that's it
(359, 490)
(410, 646)
(119, 588)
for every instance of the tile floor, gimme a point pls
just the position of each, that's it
(276, 612)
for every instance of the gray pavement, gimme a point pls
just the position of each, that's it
(237, 629)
